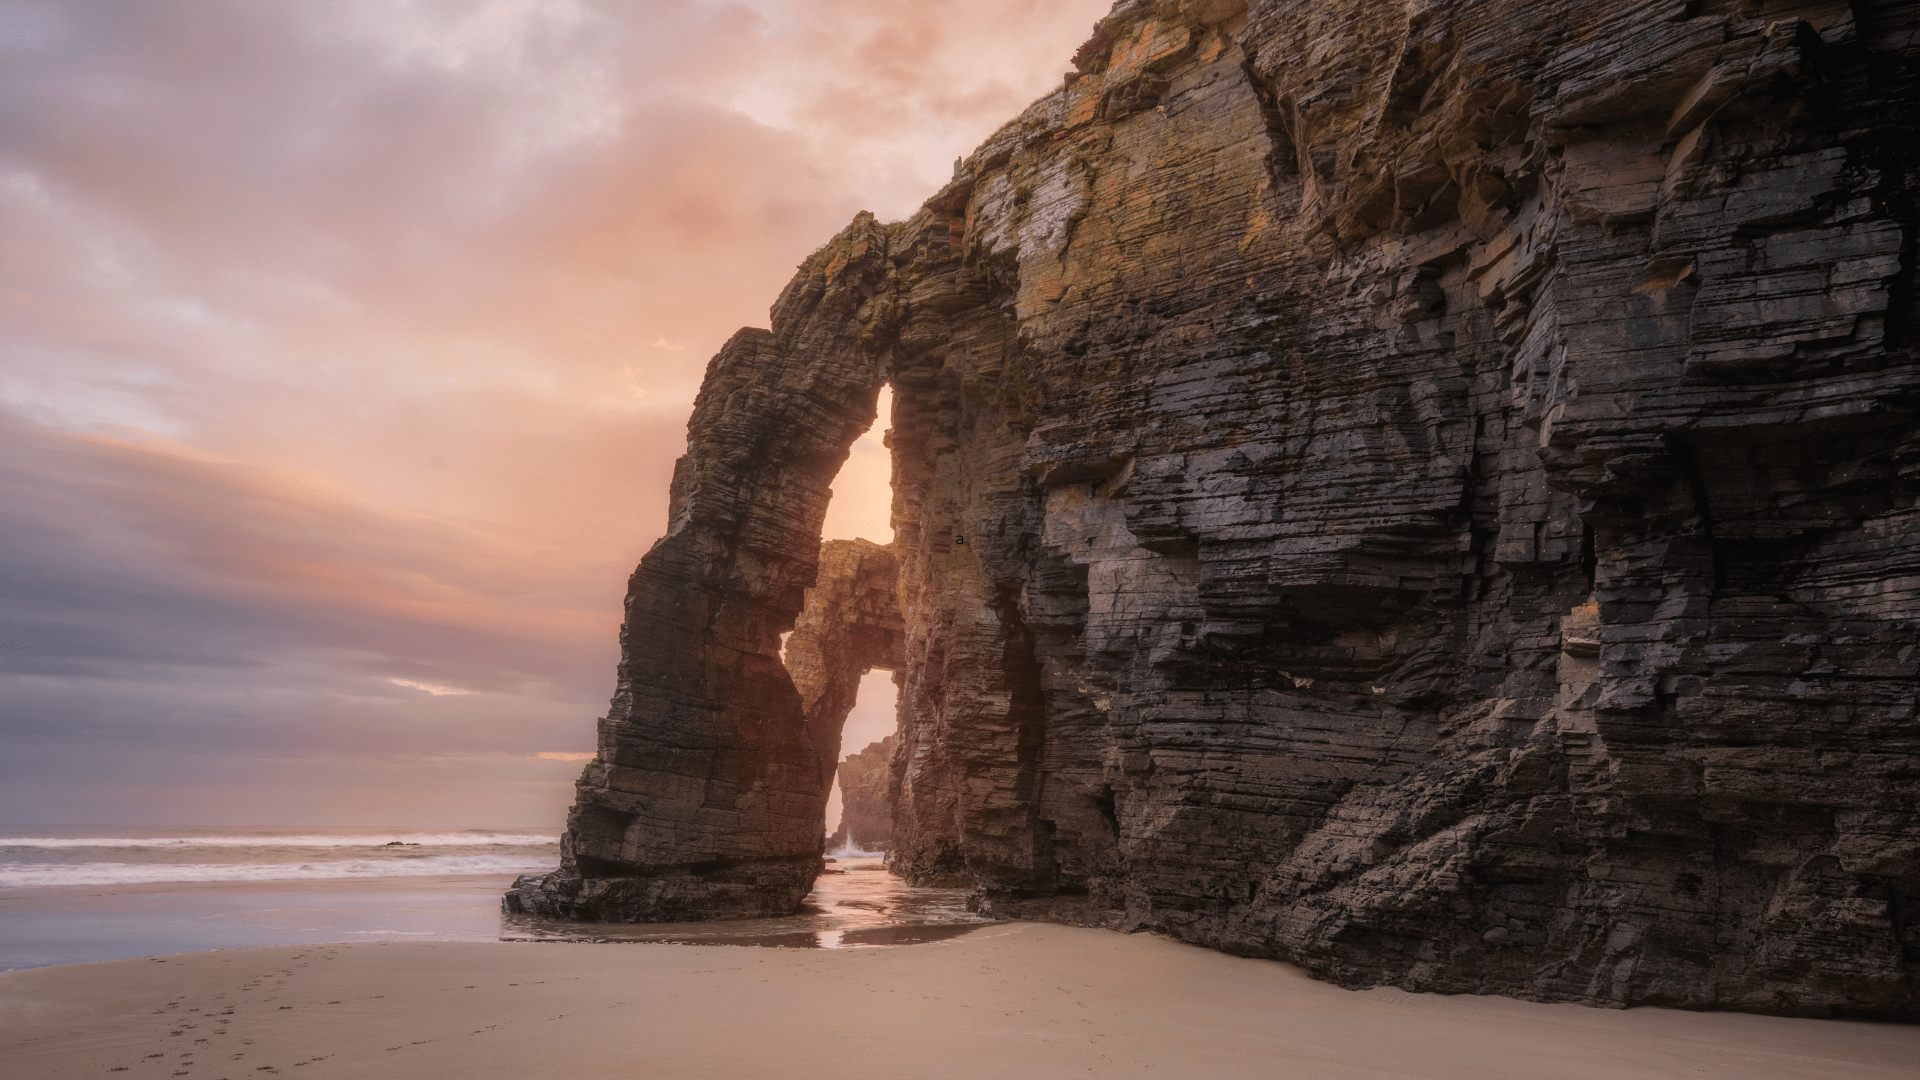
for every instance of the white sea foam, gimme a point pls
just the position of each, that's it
(847, 851)
(27, 875)
(462, 839)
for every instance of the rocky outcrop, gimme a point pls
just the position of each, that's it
(866, 793)
(1425, 491)
(707, 796)
(851, 624)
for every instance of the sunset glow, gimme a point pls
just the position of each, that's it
(348, 348)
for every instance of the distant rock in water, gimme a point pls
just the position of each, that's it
(866, 817)
(1423, 491)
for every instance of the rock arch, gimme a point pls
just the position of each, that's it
(1428, 495)
(706, 797)
(851, 625)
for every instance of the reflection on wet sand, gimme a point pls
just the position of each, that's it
(855, 904)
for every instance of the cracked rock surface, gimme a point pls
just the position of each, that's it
(1421, 490)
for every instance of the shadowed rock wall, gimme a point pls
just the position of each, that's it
(1422, 490)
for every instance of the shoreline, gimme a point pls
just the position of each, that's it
(1009, 1000)
(266, 885)
(49, 926)
(44, 926)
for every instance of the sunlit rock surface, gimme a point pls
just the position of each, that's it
(1421, 490)
(851, 624)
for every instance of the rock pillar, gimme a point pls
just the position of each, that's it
(850, 626)
(706, 797)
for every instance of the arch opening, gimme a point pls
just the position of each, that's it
(850, 632)
(859, 808)
(707, 797)
(861, 505)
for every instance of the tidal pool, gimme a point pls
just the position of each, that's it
(856, 903)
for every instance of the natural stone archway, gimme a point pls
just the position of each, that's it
(706, 797)
(1430, 492)
(851, 625)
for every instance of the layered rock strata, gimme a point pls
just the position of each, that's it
(1422, 490)
(851, 624)
(866, 793)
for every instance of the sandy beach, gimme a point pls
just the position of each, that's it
(1007, 1001)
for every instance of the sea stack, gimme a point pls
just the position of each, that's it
(866, 791)
(1425, 491)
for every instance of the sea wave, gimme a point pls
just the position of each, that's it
(461, 839)
(28, 875)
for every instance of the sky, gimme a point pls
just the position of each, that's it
(346, 348)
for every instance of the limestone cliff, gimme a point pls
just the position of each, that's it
(1422, 490)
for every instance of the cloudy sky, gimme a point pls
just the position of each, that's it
(346, 347)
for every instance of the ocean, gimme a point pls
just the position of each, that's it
(35, 856)
(77, 894)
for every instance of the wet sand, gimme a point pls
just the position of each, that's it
(76, 924)
(1006, 1001)
(71, 924)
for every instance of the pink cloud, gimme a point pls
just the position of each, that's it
(331, 355)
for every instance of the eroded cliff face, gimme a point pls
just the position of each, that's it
(1421, 490)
